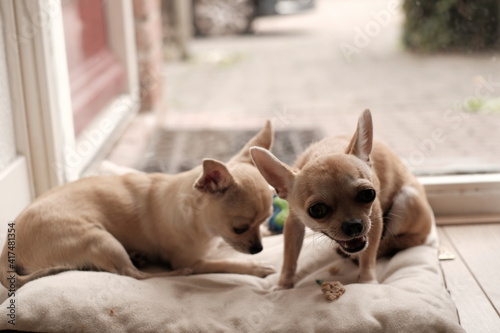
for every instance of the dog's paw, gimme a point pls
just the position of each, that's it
(281, 287)
(284, 284)
(262, 269)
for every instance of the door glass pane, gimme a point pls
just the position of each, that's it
(431, 79)
(96, 75)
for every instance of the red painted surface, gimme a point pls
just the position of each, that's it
(96, 76)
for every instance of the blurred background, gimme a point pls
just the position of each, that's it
(159, 84)
(428, 70)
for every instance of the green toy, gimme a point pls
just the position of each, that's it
(280, 213)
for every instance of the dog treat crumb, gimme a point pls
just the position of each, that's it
(334, 270)
(332, 290)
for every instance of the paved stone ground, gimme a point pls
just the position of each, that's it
(293, 70)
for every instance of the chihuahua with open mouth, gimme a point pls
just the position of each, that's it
(356, 192)
(99, 223)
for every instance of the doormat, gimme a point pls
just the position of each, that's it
(174, 151)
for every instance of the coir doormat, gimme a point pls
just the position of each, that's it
(173, 151)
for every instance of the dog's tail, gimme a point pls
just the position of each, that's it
(9, 272)
(23, 279)
(11, 280)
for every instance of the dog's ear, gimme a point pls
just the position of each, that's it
(362, 142)
(215, 179)
(277, 174)
(262, 139)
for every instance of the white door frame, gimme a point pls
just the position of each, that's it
(44, 86)
(35, 39)
(16, 182)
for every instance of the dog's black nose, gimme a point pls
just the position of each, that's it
(352, 227)
(255, 248)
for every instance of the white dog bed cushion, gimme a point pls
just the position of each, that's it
(411, 297)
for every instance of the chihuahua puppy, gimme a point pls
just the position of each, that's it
(356, 192)
(98, 223)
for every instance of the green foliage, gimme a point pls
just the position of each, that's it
(481, 105)
(443, 25)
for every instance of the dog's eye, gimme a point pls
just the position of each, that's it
(319, 211)
(240, 230)
(366, 196)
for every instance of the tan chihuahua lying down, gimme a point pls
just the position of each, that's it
(356, 192)
(97, 223)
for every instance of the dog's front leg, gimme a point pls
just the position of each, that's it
(232, 266)
(293, 233)
(368, 258)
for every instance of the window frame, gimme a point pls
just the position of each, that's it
(464, 199)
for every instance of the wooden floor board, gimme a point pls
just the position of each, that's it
(479, 246)
(476, 312)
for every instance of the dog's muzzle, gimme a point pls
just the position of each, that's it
(351, 246)
(352, 228)
(255, 248)
(354, 245)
